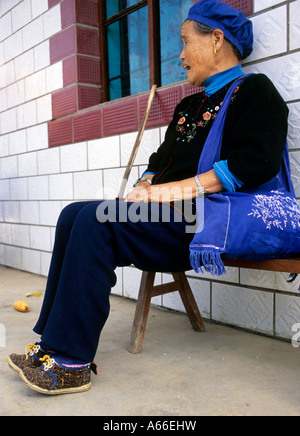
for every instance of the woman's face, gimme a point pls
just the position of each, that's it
(198, 54)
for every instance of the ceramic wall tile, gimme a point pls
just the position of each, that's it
(243, 307)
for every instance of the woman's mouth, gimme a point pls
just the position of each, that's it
(187, 68)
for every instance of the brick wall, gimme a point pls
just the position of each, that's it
(54, 151)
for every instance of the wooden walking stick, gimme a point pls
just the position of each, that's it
(136, 144)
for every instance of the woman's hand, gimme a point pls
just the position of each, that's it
(164, 193)
(139, 193)
(175, 191)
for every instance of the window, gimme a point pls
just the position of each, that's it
(172, 15)
(140, 44)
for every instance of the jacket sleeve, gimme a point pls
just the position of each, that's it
(255, 131)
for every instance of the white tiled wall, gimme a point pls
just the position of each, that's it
(37, 182)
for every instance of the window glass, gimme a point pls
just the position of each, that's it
(115, 6)
(172, 15)
(112, 8)
(128, 55)
(127, 45)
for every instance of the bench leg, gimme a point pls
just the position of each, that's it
(189, 302)
(141, 312)
(147, 291)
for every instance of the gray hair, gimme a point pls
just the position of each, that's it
(206, 30)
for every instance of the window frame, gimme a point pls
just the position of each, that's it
(153, 42)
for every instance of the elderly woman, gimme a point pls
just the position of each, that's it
(88, 248)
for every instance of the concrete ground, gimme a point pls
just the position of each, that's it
(222, 372)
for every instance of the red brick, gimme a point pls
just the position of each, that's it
(191, 89)
(70, 70)
(246, 6)
(88, 41)
(120, 117)
(67, 13)
(88, 96)
(162, 108)
(87, 125)
(62, 44)
(88, 70)
(60, 132)
(64, 102)
(87, 12)
(52, 3)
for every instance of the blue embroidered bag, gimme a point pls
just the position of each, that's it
(257, 224)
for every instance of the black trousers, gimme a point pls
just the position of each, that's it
(92, 240)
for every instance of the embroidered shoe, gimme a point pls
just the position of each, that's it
(31, 358)
(59, 376)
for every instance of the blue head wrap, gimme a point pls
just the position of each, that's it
(219, 15)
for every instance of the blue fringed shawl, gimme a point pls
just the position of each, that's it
(258, 224)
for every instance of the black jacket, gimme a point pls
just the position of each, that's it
(254, 134)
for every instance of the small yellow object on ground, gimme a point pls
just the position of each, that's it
(21, 306)
(34, 294)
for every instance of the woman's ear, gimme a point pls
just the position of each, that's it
(217, 39)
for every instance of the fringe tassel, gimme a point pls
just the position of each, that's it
(210, 260)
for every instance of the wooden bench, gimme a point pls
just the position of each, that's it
(180, 283)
